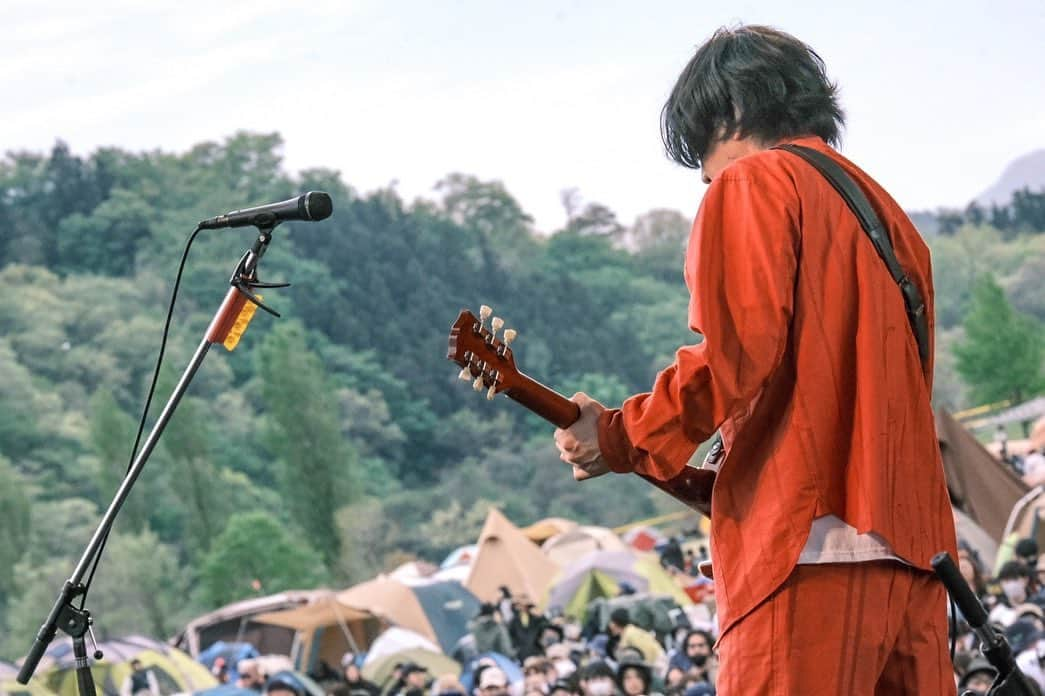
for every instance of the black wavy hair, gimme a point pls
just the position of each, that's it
(753, 81)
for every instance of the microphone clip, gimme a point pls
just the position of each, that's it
(245, 277)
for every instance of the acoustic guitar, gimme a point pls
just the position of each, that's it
(488, 362)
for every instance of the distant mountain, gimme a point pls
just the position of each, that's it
(1027, 171)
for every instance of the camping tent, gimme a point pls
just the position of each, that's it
(643, 537)
(600, 574)
(980, 486)
(976, 537)
(396, 640)
(437, 664)
(326, 629)
(174, 670)
(507, 557)
(439, 611)
(566, 547)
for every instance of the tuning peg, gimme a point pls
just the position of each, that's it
(484, 312)
(465, 374)
(509, 336)
(496, 325)
(491, 392)
(478, 383)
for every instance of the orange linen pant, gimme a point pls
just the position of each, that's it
(845, 629)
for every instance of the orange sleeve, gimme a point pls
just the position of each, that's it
(741, 271)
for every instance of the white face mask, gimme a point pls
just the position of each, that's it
(1015, 590)
(600, 687)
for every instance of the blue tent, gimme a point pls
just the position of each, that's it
(511, 669)
(231, 652)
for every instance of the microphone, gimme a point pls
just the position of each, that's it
(311, 206)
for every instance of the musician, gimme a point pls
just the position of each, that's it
(831, 499)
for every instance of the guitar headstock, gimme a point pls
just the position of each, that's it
(486, 360)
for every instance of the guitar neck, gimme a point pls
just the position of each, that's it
(691, 487)
(545, 402)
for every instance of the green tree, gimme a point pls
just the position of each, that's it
(140, 587)
(15, 522)
(255, 554)
(1001, 356)
(112, 436)
(318, 466)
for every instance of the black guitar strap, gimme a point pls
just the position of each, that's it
(861, 207)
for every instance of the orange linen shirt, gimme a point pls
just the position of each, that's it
(809, 368)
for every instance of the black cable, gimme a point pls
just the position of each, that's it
(954, 625)
(148, 402)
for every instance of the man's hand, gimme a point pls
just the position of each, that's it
(579, 444)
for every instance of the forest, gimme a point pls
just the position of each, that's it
(337, 441)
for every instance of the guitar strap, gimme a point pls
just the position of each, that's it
(858, 203)
(872, 226)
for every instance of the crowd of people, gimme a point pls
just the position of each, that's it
(1014, 597)
(557, 655)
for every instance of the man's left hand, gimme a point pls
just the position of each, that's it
(579, 444)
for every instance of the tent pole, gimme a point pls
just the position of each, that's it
(344, 628)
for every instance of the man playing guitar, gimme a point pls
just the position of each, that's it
(830, 500)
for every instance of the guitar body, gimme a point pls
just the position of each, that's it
(489, 363)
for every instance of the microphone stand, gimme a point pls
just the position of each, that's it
(1010, 680)
(77, 622)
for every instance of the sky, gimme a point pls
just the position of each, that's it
(543, 96)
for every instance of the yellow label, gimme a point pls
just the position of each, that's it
(240, 325)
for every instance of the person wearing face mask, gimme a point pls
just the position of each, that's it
(550, 635)
(597, 679)
(696, 648)
(1014, 580)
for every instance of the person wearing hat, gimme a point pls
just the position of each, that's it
(354, 676)
(489, 633)
(979, 676)
(491, 681)
(634, 677)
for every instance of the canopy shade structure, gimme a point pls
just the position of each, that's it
(326, 630)
(234, 623)
(438, 610)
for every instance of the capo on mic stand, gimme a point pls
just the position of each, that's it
(226, 327)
